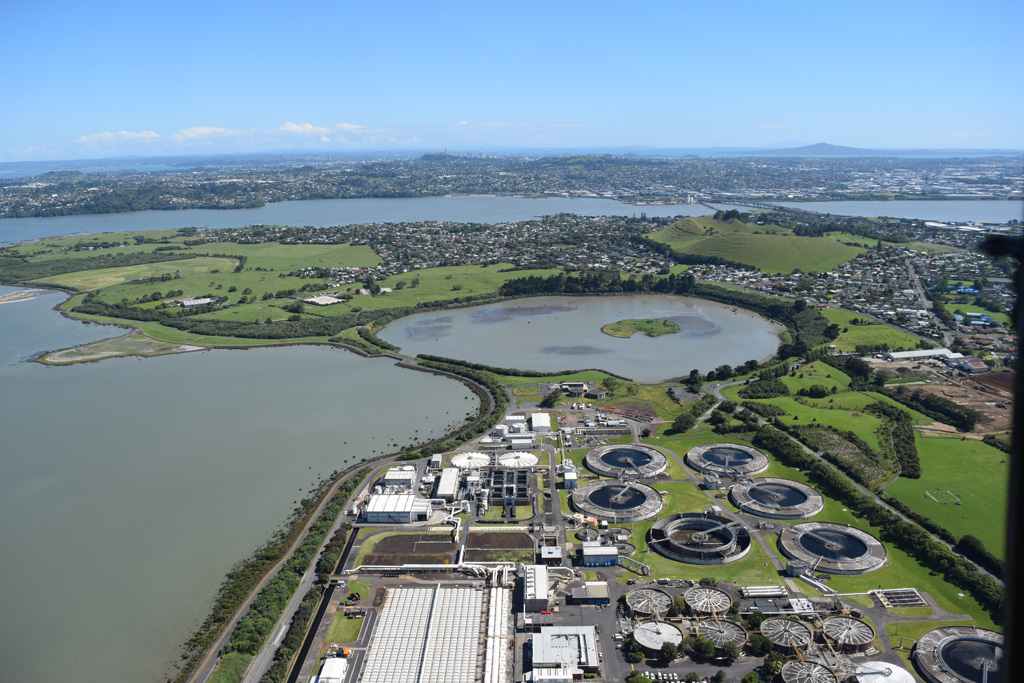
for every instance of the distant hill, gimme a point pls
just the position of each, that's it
(824, 149)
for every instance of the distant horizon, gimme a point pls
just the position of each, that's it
(619, 150)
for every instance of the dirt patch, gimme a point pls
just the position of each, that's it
(524, 556)
(487, 541)
(403, 558)
(1001, 382)
(415, 545)
(636, 408)
(994, 407)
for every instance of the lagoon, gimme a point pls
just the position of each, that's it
(129, 487)
(564, 333)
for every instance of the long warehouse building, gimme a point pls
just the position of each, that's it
(426, 635)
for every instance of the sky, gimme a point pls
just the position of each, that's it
(100, 79)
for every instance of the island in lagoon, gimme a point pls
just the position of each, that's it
(650, 327)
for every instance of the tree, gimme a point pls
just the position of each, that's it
(773, 662)
(729, 654)
(682, 423)
(669, 652)
(758, 645)
(551, 400)
(691, 677)
(610, 384)
(637, 677)
(704, 649)
(719, 677)
(752, 677)
(678, 606)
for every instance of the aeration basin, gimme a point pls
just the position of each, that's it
(617, 501)
(633, 461)
(727, 458)
(832, 548)
(699, 538)
(776, 498)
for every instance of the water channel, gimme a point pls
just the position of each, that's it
(129, 487)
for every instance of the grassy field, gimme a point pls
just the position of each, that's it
(873, 333)
(767, 247)
(108, 277)
(650, 328)
(343, 629)
(817, 373)
(998, 316)
(230, 668)
(975, 472)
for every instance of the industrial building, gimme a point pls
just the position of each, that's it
(594, 554)
(562, 653)
(541, 422)
(400, 477)
(536, 595)
(591, 593)
(333, 670)
(551, 555)
(396, 508)
(448, 484)
(426, 635)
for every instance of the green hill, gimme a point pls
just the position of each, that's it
(769, 248)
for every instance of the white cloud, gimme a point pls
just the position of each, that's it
(197, 133)
(304, 129)
(107, 137)
(351, 127)
(463, 123)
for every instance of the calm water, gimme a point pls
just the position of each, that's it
(476, 209)
(129, 487)
(564, 333)
(953, 210)
(326, 212)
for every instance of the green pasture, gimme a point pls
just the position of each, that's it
(107, 277)
(768, 247)
(972, 470)
(930, 248)
(873, 333)
(649, 327)
(817, 373)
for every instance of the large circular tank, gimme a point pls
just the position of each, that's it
(848, 634)
(648, 602)
(517, 460)
(633, 460)
(707, 601)
(722, 632)
(698, 538)
(786, 634)
(882, 672)
(807, 672)
(727, 458)
(776, 498)
(959, 654)
(653, 634)
(617, 501)
(471, 460)
(832, 548)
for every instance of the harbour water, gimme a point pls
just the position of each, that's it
(128, 488)
(564, 333)
(467, 209)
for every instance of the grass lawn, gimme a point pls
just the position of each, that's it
(873, 333)
(343, 629)
(972, 470)
(230, 668)
(817, 372)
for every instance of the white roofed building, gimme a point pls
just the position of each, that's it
(541, 422)
(396, 508)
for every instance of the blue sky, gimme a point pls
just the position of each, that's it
(86, 80)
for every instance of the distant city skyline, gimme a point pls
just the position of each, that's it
(127, 79)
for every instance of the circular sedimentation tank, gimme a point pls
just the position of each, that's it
(959, 654)
(633, 461)
(832, 548)
(518, 460)
(652, 635)
(807, 672)
(727, 458)
(721, 633)
(471, 460)
(776, 498)
(648, 602)
(697, 538)
(707, 601)
(882, 672)
(617, 501)
(786, 634)
(848, 634)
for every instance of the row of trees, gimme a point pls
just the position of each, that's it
(910, 538)
(896, 437)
